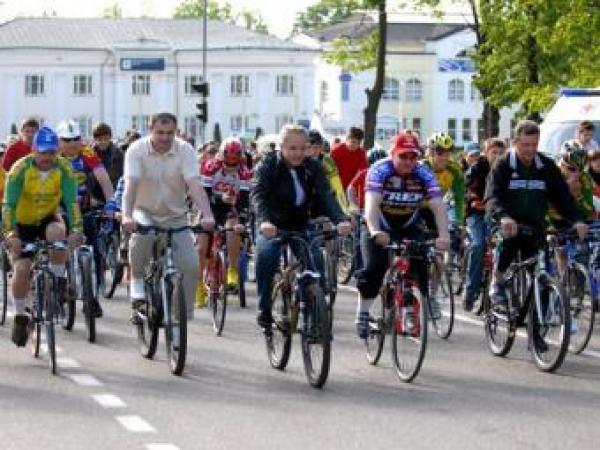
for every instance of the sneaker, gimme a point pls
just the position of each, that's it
(232, 279)
(362, 325)
(19, 331)
(264, 319)
(137, 290)
(434, 309)
(201, 295)
(135, 318)
(498, 296)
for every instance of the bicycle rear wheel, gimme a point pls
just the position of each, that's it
(68, 310)
(549, 336)
(316, 336)
(149, 323)
(278, 338)
(4, 266)
(113, 272)
(176, 325)
(440, 289)
(409, 339)
(576, 283)
(345, 259)
(499, 328)
(87, 289)
(377, 328)
(218, 293)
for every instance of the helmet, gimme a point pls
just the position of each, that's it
(440, 140)
(375, 154)
(68, 129)
(573, 154)
(45, 140)
(405, 142)
(231, 152)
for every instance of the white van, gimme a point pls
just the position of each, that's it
(572, 107)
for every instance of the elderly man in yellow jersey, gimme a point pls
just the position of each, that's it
(36, 185)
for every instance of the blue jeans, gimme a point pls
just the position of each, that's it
(268, 256)
(478, 232)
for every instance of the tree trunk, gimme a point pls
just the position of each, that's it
(491, 120)
(533, 77)
(374, 95)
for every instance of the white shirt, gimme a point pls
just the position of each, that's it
(300, 194)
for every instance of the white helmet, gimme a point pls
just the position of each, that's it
(68, 129)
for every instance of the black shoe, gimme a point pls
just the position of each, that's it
(19, 331)
(264, 319)
(468, 304)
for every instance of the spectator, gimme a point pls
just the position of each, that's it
(585, 136)
(349, 156)
(22, 147)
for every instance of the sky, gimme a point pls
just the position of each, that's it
(279, 14)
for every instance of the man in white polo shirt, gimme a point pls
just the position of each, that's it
(160, 172)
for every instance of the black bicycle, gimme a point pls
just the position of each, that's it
(109, 244)
(536, 296)
(164, 305)
(46, 307)
(297, 291)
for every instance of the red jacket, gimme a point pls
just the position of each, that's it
(348, 162)
(15, 152)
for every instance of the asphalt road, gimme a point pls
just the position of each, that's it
(107, 396)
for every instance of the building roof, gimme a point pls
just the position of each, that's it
(102, 33)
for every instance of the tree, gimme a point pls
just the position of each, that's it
(324, 13)
(113, 12)
(223, 13)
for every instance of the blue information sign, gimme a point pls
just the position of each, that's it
(456, 65)
(142, 63)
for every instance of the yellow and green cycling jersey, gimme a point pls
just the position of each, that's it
(584, 201)
(333, 176)
(451, 180)
(31, 195)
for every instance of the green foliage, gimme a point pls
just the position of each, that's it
(222, 12)
(354, 55)
(326, 12)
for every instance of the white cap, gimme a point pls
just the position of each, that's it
(68, 129)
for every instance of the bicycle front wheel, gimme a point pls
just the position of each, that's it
(68, 306)
(278, 338)
(409, 334)
(218, 293)
(48, 291)
(114, 268)
(377, 328)
(148, 323)
(345, 260)
(440, 292)
(550, 328)
(4, 266)
(576, 283)
(176, 325)
(316, 336)
(87, 288)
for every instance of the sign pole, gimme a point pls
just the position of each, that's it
(204, 80)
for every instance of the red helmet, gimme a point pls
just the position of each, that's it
(231, 152)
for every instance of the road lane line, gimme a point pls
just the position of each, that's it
(109, 401)
(135, 424)
(83, 379)
(161, 447)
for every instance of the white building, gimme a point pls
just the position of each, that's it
(120, 71)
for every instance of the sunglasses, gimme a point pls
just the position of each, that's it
(75, 139)
(408, 157)
(441, 151)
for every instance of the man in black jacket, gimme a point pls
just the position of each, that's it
(475, 181)
(288, 191)
(519, 189)
(111, 156)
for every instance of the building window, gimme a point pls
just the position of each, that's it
(140, 85)
(475, 93)
(456, 90)
(85, 125)
(282, 120)
(480, 130)
(34, 85)
(386, 133)
(141, 123)
(285, 85)
(324, 92)
(82, 85)
(391, 89)
(191, 126)
(240, 85)
(417, 124)
(452, 128)
(189, 80)
(467, 136)
(414, 90)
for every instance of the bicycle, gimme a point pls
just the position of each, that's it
(109, 242)
(401, 310)
(297, 292)
(346, 261)
(164, 305)
(5, 267)
(329, 256)
(45, 308)
(440, 289)
(535, 295)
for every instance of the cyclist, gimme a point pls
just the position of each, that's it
(315, 150)
(110, 154)
(227, 183)
(288, 187)
(88, 168)
(395, 188)
(520, 186)
(160, 172)
(21, 147)
(475, 181)
(349, 156)
(35, 187)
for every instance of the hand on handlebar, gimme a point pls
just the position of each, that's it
(207, 223)
(509, 227)
(268, 230)
(381, 238)
(443, 243)
(128, 224)
(344, 228)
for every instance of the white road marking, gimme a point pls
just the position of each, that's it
(109, 401)
(85, 379)
(161, 447)
(67, 363)
(135, 424)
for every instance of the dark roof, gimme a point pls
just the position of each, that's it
(100, 33)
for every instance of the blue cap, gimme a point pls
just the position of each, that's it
(45, 140)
